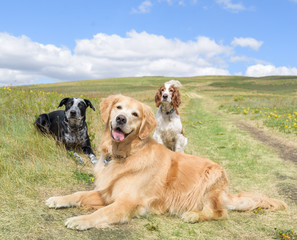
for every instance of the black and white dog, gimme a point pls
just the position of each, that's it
(69, 126)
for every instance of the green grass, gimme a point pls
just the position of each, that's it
(279, 112)
(34, 167)
(284, 85)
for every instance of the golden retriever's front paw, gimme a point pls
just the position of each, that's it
(190, 217)
(78, 223)
(56, 202)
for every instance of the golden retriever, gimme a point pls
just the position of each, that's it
(136, 175)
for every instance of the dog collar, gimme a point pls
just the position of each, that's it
(106, 160)
(170, 112)
(167, 113)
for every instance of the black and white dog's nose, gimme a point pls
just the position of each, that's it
(165, 96)
(72, 113)
(121, 119)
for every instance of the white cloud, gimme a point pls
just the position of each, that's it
(144, 7)
(247, 42)
(23, 61)
(148, 54)
(261, 70)
(234, 7)
(15, 77)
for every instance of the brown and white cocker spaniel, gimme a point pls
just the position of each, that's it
(169, 131)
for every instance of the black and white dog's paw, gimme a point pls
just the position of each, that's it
(93, 159)
(78, 158)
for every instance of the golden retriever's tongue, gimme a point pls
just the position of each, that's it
(118, 135)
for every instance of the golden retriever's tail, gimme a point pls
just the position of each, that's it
(249, 201)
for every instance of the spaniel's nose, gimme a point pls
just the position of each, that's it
(165, 96)
(121, 119)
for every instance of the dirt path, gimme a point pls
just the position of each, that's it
(285, 150)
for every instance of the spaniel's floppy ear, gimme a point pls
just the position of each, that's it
(63, 102)
(106, 105)
(158, 96)
(149, 122)
(89, 104)
(176, 101)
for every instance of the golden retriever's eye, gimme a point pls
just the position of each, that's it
(119, 107)
(135, 114)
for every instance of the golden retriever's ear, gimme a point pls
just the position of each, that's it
(106, 105)
(149, 122)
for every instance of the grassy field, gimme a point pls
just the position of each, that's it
(33, 167)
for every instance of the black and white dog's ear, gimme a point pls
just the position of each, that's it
(63, 102)
(89, 104)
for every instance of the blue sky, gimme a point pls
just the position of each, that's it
(52, 41)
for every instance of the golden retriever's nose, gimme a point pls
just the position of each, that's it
(121, 119)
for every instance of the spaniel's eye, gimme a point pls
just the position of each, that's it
(162, 90)
(119, 107)
(135, 114)
(171, 90)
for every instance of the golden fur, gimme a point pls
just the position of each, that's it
(144, 176)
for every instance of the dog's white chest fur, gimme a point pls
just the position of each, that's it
(169, 131)
(75, 138)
